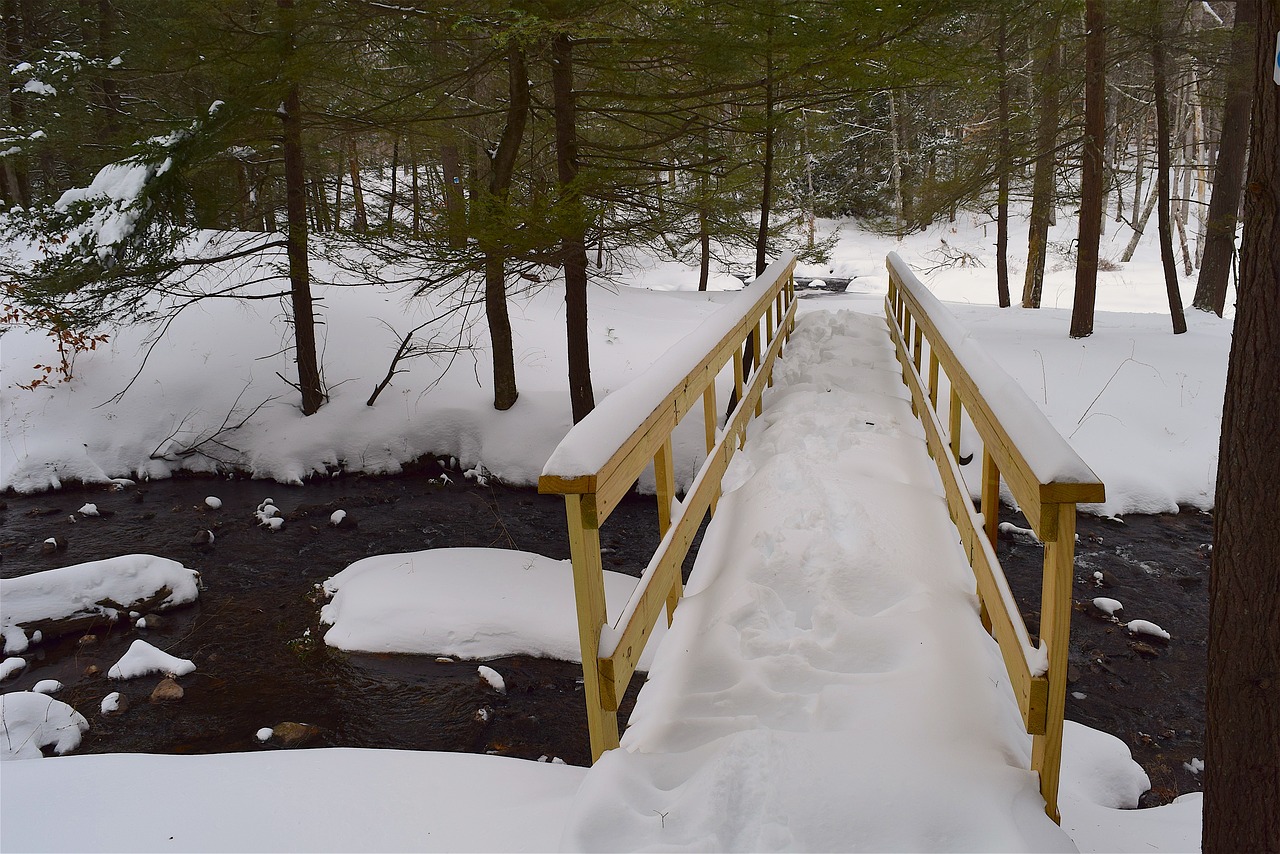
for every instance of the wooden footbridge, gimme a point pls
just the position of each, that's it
(952, 386)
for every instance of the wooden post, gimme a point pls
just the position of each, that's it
(933, 379)
(1055, 630)
(737, 379)
(904, 323)
(954, 418)
(664, 473)
(756, 349)
(769, 329)
(990, 518)
(919, 346)
(588, 592)
(990, 496)
(709, 417)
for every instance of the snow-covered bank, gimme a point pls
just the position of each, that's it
(221, 363)
(337, 799)
(268, 801)
(1139, 404)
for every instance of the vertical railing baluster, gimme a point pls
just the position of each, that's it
(588, 591)
(1055, 631)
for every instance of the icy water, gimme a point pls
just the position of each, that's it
(254, 634)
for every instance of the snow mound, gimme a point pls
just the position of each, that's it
(143, 658)
(470, 603)
(1100, 787)
(33, 721)
(1146, 627)
(106, 588)
(1098, 767)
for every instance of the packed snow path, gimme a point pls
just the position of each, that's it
(827, 683)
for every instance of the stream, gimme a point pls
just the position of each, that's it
(255, 638)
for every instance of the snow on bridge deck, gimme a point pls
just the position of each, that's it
(827, 683)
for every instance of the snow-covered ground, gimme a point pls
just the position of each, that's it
(1140, 406)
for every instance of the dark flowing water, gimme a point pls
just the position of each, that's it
(255, 638)
(254, 633)
(1148, 693)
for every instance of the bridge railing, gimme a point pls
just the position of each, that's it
(602, 457)
(1045, 476)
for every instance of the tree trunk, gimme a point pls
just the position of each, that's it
(17, 179)
(1091, 181)
(899, 212)
(1159, 77)
(413, 189)
(1139, 227)
(361, 221)
(1140, 166)
(455, 203)
(337, 203)
(573, 242)
(1002, 190)
(1042, 184)
(1228, 172)
(1242, 763)
(391, 197)
(321, 201)
(766, 178)
(495, 272)
(304, 329)
(704, 236)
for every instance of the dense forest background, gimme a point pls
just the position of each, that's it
(482, 142)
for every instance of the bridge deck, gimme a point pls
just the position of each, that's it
(827, 683)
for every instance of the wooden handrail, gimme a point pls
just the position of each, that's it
(599, 461)
(1045, 477)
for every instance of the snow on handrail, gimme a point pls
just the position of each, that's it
(1048, 456)
(595, 440)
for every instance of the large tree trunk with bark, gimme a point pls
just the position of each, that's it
(1242, 763)
(766, 178)
(573, 242)
(295, 192)
(1002, 190)
(1046, 158)
(1091, 181)
(495, 267)
(17, 183)
(1159, 75)
(1228, 171)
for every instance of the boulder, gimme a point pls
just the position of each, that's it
(292, 734)
(167, 691)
